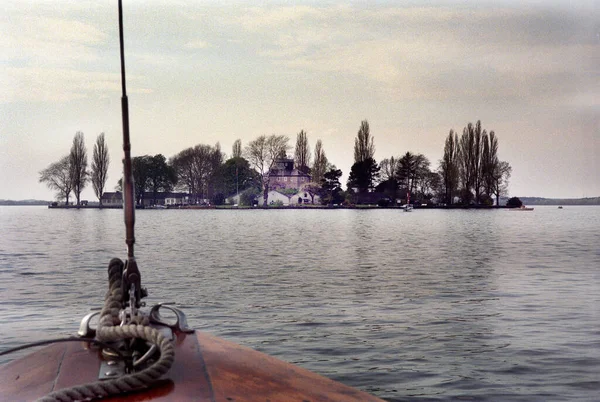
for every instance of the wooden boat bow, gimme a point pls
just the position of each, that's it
(206, 368)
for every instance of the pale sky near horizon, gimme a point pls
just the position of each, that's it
(208, 72)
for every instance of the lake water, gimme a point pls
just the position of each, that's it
(429, 305)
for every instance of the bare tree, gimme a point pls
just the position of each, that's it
(183, 163)
(476, 155)
(302, 152)
(78, 157)
(428, 184)
(312, 189)
(215, 160)
(237, 149)
(389, 178)
(365, 171)
(57, 176)
(412, 170)
(320, 163)
(141, 166)
(467, 145)
(501, 174)
(196, 168)
(262, 153)
(201, 155)
(389, 168)
(364, 147)
(422, 175)
(449, 167)
(489, 162)
(479, 135)
(100, 162)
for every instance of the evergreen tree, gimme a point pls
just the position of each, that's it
(330, 187)
(363, 175)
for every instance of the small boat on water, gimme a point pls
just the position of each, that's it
(138, 355)
(407, 207)
(522, 208)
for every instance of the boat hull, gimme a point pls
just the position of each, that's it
(206, 368)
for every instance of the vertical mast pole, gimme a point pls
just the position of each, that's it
(128, 206)
(131, 275)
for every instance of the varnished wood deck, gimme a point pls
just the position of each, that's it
(206, 368)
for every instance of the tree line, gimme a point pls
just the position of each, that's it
(205, 173)
(70, 174)
(202, 171)
(469, 172)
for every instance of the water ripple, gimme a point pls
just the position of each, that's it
(434, 305)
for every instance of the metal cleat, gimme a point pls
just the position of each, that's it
(180, 322)
(85, 329)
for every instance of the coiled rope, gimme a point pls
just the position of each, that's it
(109, 330)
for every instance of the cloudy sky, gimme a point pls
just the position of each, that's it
(208, 72)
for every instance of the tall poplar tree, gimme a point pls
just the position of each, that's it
(319, 166)
(490, 162)
(365, 171)
(78, 160)
(302, 152)
(364, 147)
(237, 149)
(449, 167)
(478, 137)
(467, 141)
(100, 162)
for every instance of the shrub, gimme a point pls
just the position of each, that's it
(486, 200)
(219, 199)
(383, 202)
(248, 196)
(514, 202)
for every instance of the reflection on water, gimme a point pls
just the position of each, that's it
(487, 305)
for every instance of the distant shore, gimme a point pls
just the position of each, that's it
(93, 206)
(23, 202)
(560, 201)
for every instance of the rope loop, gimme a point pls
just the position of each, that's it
(110, 330)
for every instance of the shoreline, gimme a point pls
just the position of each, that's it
(306, 207)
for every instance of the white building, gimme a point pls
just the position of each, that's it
(299, 198)
(273, 197)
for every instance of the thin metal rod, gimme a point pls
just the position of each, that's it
(129, 207)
